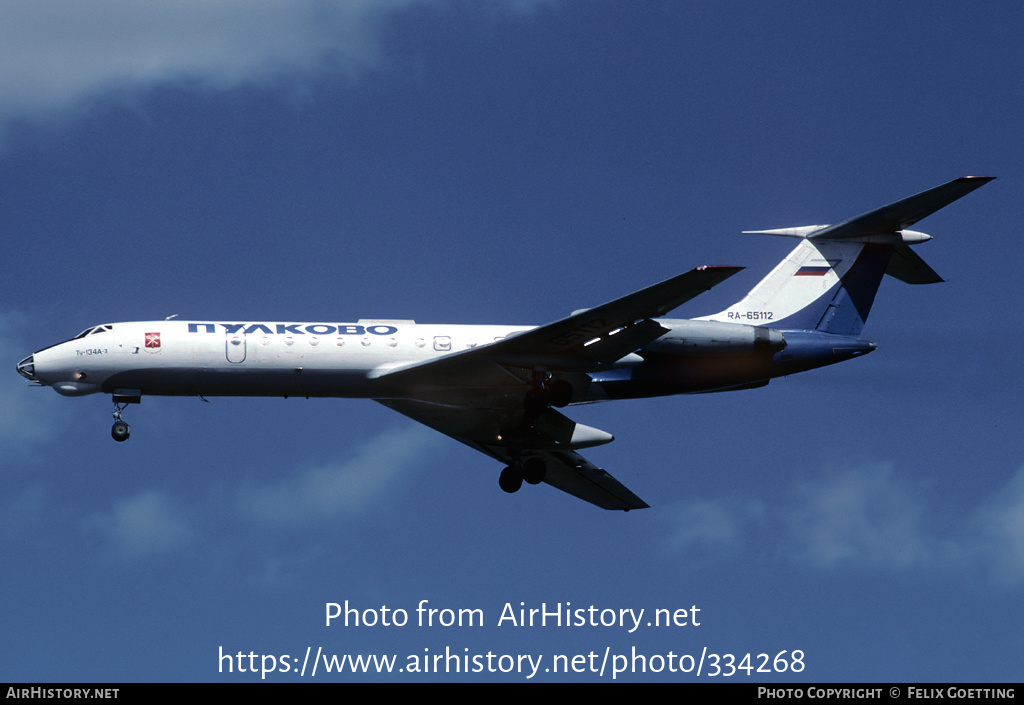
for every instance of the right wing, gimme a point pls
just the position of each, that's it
(566, 469)
(479, 396)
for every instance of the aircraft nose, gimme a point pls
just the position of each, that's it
(27, 368)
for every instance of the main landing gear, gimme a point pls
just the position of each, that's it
(120, 430)
(547, 391)
(512, 477)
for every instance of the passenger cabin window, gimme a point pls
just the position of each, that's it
(442, 343)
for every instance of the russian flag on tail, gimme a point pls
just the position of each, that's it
(812, 271)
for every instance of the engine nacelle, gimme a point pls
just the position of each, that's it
(715, 337)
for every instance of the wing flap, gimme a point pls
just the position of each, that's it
(617, 344)
(575, 475)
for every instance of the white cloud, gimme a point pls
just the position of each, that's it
(146, 524)
(709, 525)
(55, 53)
(995, 539)
(58, 54)
(344, 487)
(865, 516)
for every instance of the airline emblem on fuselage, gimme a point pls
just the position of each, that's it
(293, 328)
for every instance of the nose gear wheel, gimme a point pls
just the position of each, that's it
(120, 430)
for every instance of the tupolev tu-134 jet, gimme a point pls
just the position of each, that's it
(496, 388)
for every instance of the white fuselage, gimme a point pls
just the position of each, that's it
(248, 359)
(219, 358)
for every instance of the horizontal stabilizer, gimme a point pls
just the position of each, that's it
(802, 231)
(888, 220)
(902, 214)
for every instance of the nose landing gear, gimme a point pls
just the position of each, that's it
(120, 430)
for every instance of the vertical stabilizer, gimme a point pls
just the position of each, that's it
(828, 282)
(827, 286)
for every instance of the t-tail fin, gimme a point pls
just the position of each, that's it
(827, 286)
(828, 282)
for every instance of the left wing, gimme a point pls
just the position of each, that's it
(479, 396)
(584, 341)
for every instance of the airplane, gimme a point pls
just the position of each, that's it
(498, 388)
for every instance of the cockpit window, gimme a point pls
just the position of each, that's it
(95, 329)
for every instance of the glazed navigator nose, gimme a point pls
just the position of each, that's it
(27, 368)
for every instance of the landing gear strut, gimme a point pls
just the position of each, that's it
(548, 391)
(120, 430)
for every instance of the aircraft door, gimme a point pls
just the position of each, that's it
(234, 347)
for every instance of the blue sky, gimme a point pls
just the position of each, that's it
(507, 162)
